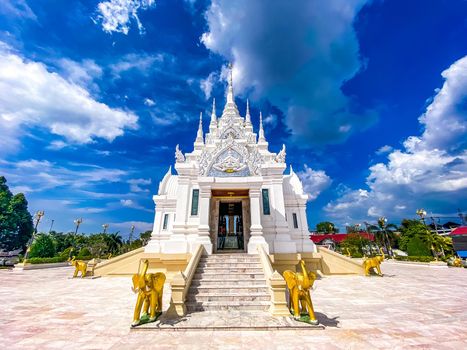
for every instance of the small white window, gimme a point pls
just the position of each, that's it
(166, 221)
(295, 221)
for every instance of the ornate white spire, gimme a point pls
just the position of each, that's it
(247, 116)
(213, 114)
(199, 135)
(230, 96)
(261, 131)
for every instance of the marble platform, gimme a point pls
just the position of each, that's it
(411, 307)
(228, 321)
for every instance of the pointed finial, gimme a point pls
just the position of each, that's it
(213, 113)
(261, 131)
(230, 97)
(247, 116)
(199, 135)
(291, 170)
(231, 75)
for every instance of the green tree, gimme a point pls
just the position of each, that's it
(114, 242)
(326, 227)
(15, 220)
(416, 246)
(414, 235)
(355, 243)
(145, 237)
(42, 247)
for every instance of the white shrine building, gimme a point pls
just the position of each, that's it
(230, 193)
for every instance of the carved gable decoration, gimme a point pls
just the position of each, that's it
(231, 132)
(229, 163)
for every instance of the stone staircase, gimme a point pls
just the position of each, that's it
(228, 281)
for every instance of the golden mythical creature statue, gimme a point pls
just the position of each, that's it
(348, 253)
(149, 288)
(457, 262)
(374, 263)
(299, 285)
(80, 266)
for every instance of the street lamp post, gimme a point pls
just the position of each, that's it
(37, 218)
(77, 223)
(382, 221)
(51, 225)
(105, 227)
(131, 233)
(422, 214)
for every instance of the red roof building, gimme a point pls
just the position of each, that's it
(461, 230)
(338, 237)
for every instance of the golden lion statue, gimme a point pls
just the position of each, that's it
(299, 285)
(149, 288)
(374, 263)
(80, 266)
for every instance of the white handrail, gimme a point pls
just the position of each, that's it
(192, 265)
(265, 262)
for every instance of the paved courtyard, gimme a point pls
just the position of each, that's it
(411, 307)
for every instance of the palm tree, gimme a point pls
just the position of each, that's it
(114, 242)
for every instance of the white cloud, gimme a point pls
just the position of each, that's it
(431, 170)
(148, 102)
(41, 175)
(126, 202)
(384, 149)
(56, 145)
(31, 96)
(125, 227)
(129, 203)
(270, 120)
(116, 15)
(140, 61)
(298, 55)
(207, 84)
(17, 8)
(136, 185)
(81, 73)
(314, 181)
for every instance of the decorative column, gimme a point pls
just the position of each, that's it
(283, 242)
(203, 227)
(256, 229)
(154, 245)
(177, 242)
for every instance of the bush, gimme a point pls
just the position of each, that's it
(416, 247)
(355, 243)
(415, 258)
(43, 247)
(55, 259)
(85, 257)
(67, 252)
(84, 252)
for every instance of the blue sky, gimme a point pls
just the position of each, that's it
(370, 98)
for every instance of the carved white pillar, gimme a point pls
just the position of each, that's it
(154, 245)
(256, 229)
(177, 242)
(283, 242)
(203, 227)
